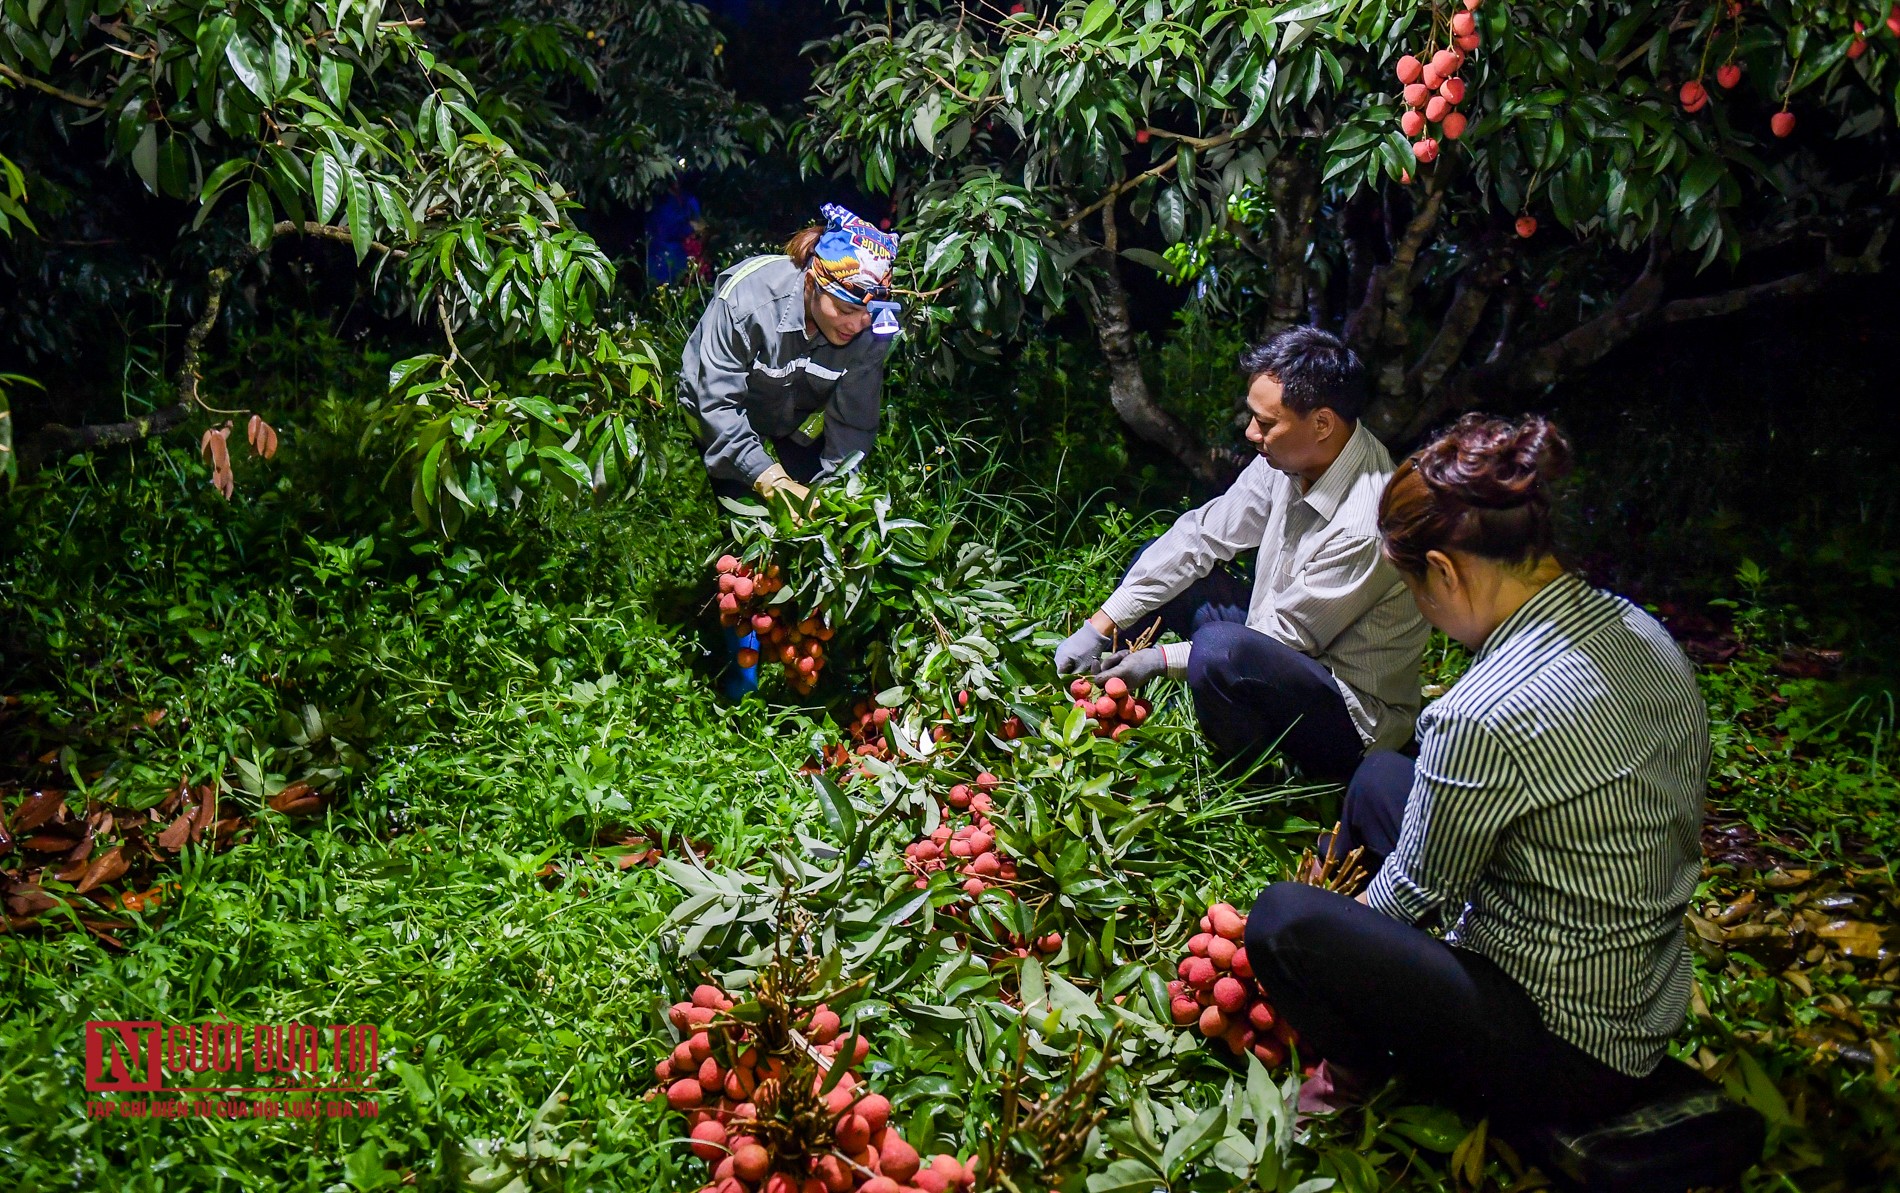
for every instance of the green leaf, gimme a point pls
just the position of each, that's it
(550, 309)
(1191, 1140)
(1095, 16)
(334, 74)
(145, 157)
(565, 463)
(359, 212)
(1125, 1176)
(839, 812)
(1699, 179)
(1307, 11)
(1820, 65)
(403, 369)
(327, 182)
(219, 177)
(246, 64)
(257, 207)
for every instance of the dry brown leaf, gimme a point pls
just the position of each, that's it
(1855, 938)
(83, 850)
(36, 810)
(225, 829)
(1706, 929)
(1781, 880)
(27, 899)
(289, 795)
(1799, 981)
(50, 756)
(1736, 911)
(153, 717)
(48, 842)
(106, 867)
(206, 811)
(263, 437)
(173, 838)
(216, 446)
(297, 800)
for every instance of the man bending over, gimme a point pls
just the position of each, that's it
(1322, 655)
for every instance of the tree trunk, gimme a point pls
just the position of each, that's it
(1293, 185)
(1107, 305)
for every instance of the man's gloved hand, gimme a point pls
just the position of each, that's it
(1080, 651)
(776, 482)
(1134, 667)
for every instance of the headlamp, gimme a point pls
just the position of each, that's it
(883, 318)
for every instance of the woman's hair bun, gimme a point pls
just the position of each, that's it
(1483, 486)
(1493, 463)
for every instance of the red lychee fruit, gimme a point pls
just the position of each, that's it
(685, 1094)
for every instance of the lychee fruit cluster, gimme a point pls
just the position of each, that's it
(728, 1091)
(796, 644)
(969, 850)
(1115, 710)
(865, 731)
(1216, 995)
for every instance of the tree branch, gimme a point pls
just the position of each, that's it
(1115, 192)
(1581, 345)
(1637, 309)
(331, 232)
(1469, 300)
(54, 437)
(7, 72)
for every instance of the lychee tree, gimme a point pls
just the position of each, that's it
(415, 141)
(1572, 175)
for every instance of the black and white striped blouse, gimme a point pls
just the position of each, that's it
(1558, 802)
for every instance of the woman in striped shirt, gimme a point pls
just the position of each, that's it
(1549, 826)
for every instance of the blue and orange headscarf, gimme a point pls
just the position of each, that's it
(852, 260)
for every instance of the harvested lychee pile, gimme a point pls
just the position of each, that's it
(767, 1113)
(969, 850)
(1115, 710)
(745, 603)
(1217, 996)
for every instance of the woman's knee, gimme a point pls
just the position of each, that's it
(1286, 916)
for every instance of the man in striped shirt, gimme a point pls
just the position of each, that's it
(1322, 655)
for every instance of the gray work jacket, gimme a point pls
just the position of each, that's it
(750, 373)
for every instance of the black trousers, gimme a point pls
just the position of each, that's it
(1250, 691)
(1382, 998)
(801, 461)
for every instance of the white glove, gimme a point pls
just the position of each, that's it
(1080, 651)
(1134, 667)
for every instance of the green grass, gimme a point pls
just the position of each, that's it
(486, 709)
